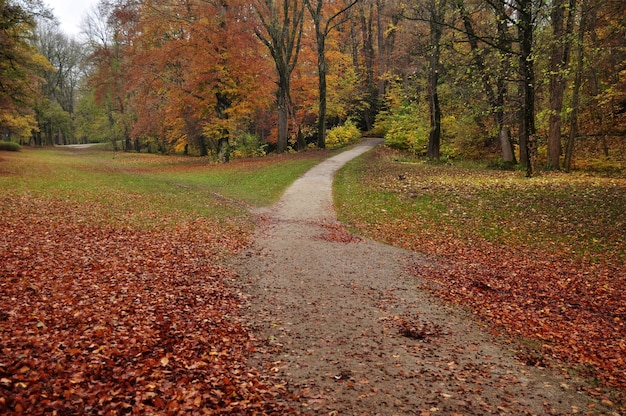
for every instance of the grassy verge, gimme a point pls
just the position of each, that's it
(114, 283)
(148, 190)
(541, 259)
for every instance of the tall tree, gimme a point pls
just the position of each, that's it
(562, 16)
(61, 85)
(526, 29)
(20, 66)
(281, 32)
(323, 25)
(578, 78)
(436, 11)
(196, 75)
(106, 38)
(495, 90)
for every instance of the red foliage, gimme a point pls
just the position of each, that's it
(574, 308)
(108, 320)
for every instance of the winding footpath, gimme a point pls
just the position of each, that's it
(330, 307)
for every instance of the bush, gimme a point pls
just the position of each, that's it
(342, 135)
(248, 145)
(10, 146)
(405, 129)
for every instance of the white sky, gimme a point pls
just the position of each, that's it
(70, 13)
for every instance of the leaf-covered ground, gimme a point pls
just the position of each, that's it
(541, 260)
(114, 287)
(109, 320)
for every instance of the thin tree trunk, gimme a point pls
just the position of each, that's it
(368, 52)
(436, 31)
(495, 98)
(527, 77)
(573, 125)
(559, 62)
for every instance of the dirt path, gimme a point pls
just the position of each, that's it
(331, 307)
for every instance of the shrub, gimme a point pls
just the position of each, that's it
(248, 145)
(342, 135)
(10, 146)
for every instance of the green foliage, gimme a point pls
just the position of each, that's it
(344, 97)
(405, 128)
(247, 145)
(92, 122)
(20, 65)
(342, 135)
(52, 120)
(10, 146)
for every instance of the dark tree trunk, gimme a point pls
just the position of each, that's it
(223, 149)
(283, 119)
(436, 31)
(368, 54)
(527, 87)
(283, 33)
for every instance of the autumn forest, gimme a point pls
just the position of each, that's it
(501, 180)
(516, 81)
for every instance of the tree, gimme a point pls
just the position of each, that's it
(61, 84)
(105, 33)
(20, 66)
(562, 18)
(573, 125)
(436, 12)
(281, 32)
(195, 75)
(495, 90)
(525, 27)
(323, 26)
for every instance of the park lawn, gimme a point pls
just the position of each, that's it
(541, 260)
(114, 282)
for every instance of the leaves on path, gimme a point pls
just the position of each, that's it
(337, 233)
(104, 319)
(416, 328)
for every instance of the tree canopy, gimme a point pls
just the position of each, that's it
(523, 80)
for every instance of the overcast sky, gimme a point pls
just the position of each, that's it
(70, 13)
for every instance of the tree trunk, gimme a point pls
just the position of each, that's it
(368, 52)
(283, 119)
(505, 143)
(558, 64)
(283, 32)
(494, 97)
(321, 121)
(321, 74)
(223, 149)
(527, 86)
(436, 31)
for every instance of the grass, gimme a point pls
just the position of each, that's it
(114, 278)
(148, 190)
(540, 259)
(581, 215)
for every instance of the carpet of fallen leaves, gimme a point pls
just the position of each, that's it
(108, 319)
(557, 298)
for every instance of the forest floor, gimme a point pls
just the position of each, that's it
(346, 330)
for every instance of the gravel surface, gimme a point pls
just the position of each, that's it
(345, 328)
